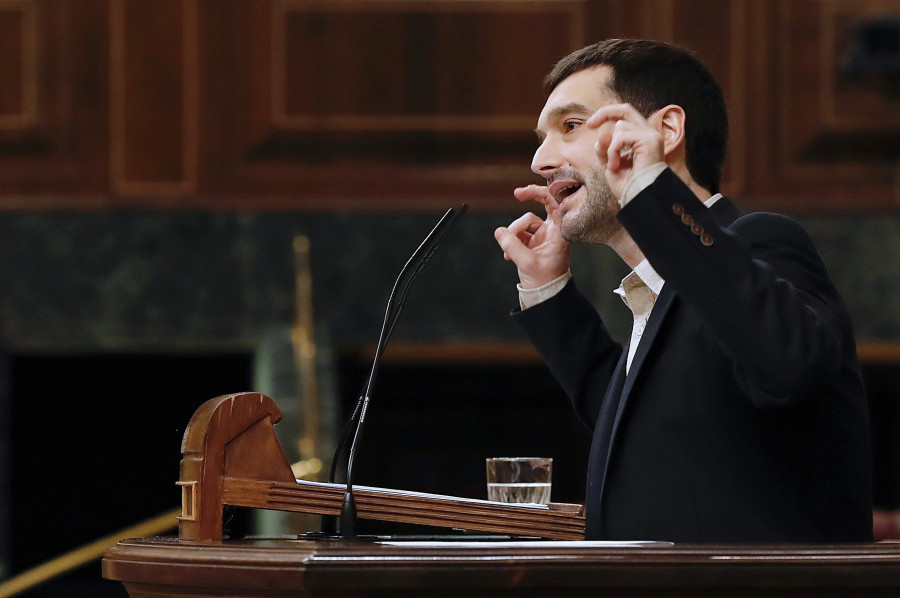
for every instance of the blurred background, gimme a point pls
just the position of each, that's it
(200, 197)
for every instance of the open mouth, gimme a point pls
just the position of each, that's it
(562, 190)
(567, 191)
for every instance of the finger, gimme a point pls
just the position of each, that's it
(621, 147)
(604, 139)
(525, 226)
(615, 112)
(513, 248)
(613, 160)
(538, 193)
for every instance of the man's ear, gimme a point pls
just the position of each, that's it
(671, 120)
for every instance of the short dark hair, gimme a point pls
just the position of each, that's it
(650, 75)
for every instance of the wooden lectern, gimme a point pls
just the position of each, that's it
(232, 457)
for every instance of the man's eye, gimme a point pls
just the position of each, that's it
(571, 125)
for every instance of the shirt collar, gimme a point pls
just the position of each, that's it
(712, 200)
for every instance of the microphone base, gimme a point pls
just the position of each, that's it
(348, 516)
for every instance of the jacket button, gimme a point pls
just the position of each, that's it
(706, 240)
(678, 208)
(687, 219)
(697, 229)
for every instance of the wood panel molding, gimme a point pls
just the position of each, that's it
(824, 147)
(405, 104)
(688, 23)
(392, 104)
(154, 97)
(845, 106)
(303, 26)
(18, 64)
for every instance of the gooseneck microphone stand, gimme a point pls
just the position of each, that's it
(355, 423)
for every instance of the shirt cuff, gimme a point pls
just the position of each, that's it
(641, 181)
(531, 297)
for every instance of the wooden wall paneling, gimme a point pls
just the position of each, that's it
(405, 104)
(717, 33)
(804, 137)
(835, 139)
(154, 91)
(217, 59)
(610, 18)
(18, 65)
(853, 98)
(374, 104)
(51, 139)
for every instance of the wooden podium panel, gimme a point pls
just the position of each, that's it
(158, 567)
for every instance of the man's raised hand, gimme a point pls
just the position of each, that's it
(626, 143)
(534, 244)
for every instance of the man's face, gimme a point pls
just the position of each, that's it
(568, 160)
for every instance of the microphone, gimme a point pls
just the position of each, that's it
(416, 263)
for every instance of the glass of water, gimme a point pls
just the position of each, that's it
(519, 479)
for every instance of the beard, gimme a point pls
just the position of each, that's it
(594, 222)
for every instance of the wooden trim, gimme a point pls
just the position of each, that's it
(878, 352)
(119, 180)
(524, 353)
(738, 150)
(28, 114)
(402, 122)
(164, 567)
(829, 13)
(790, 168)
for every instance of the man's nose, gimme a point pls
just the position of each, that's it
(547, 159)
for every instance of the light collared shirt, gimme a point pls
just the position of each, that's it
(639, 289)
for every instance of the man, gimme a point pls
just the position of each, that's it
(736, 413)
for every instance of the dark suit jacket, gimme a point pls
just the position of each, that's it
(743, 417)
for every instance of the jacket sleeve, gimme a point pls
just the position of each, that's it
(758, 285)
(576, 345)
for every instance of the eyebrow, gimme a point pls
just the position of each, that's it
(560, 111)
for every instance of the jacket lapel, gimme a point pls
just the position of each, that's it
(603, 436)
(660, 309)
